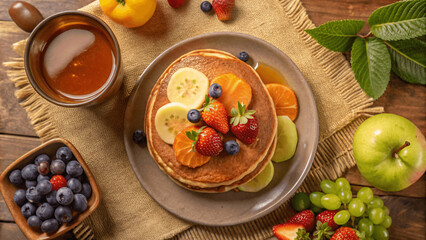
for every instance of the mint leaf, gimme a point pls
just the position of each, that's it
(409, 60)
(401, 20)
(337, 36)
(371, 64)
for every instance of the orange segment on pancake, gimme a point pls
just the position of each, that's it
(285, 100)
(233, 90)
(183, 150)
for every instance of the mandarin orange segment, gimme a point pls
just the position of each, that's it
(183, 150)
(285, 100)
(233, 90)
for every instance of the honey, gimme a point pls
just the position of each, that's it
(77, 61)
(269, 75)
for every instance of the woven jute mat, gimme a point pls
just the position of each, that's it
(127, 211)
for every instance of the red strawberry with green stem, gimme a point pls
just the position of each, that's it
(290, 231)
(206, 141)
(306, 218)
(223, 9)
(345, 233)
(244, 125)
(327, 216)
(214, 114)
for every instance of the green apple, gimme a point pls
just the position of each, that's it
(390, 151)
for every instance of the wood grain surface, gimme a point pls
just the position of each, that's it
(407, 207)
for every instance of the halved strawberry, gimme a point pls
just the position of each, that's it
(207, 141)
(223, 8)
(306, 218)
(290, 231)
(243, 124)
(214, 114)
(345, 233)
(327, 216)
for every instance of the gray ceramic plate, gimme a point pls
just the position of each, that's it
(229, 208)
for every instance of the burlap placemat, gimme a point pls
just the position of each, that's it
(127, 211)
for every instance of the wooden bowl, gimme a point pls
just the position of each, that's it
(7, 189)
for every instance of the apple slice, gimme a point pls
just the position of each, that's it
(286, 139)
(260, 181)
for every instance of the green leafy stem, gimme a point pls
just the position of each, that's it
(395, 43)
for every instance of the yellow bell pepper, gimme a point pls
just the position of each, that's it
(129, 13)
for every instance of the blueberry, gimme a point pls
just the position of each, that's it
(50, 226)
(33, 195)
(57, 167)
(139, 136)
(74, 184)
(51, 198)
(232, 147)
(41, 158)
(80, 203)
(243, 56)
(43, 168)
(28, 209)
(29, 172)
(45, 211)
(74, 168)
(63, 214)
(64, 196)
(193, 116)
(34, 222)
(44, 187)
(41, 178)
(16, 178)
(86, 190)
(19, 197)
(206, 6)
(29, 183)
(64, 153)
(215, 90)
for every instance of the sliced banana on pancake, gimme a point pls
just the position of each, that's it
(170, 119)
(188, 86)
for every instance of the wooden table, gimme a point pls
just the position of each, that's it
(407, 208)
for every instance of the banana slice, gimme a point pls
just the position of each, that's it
(170, 119)
(188, 86)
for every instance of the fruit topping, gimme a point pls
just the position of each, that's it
(184, 152)
(285, 100)
(64, 196)
(223, 8)
(345, 233)
(234, 90)
(64, 153)
(44, 187)
(57, 167)
(243, 124)
(243, 56)
(176, 3)
(286, 139)
(306, 218)
(170, 120)
(232, 147)
(215, 90)
(188, 86)
(327, 216)
(193, 116)
(214, 114)
(290, 231)
(206, 141)
(58, 182)
(139, 136)
(43, 168)
(206, 6)
(29, 172)
(260, 181)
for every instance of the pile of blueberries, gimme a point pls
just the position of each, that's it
(54, 189)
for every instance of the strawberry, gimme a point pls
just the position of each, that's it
(243, 124)
(306, 218)
(290, 231)
(345, 233)
(207, 141)
(176, 3)
(223, 8)
(327, 217)
(214, 114)
(57, 182)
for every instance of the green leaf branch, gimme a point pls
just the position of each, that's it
(396, 42)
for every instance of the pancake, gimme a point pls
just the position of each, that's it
(222, 172)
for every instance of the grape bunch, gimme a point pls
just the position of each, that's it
(363, 212)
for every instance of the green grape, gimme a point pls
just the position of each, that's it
(316, 209)
(380, 233)
(386, 210)
(300, 201)
(315, 198)
(376, 203)
(342, 217)
(331, 202)
(365, 194)
(342, 183)
(387, 222)
(356, 207)
(327, 186)
(366, 225)
(345, 195)
(377, 215)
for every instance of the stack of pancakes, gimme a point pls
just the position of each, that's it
(223, 172)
